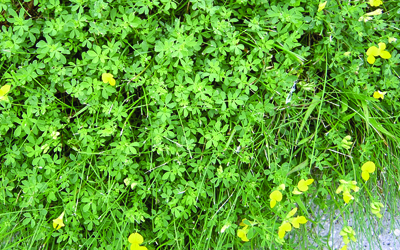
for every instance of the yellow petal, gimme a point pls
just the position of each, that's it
(242, 233)
(135, 246)
(242, 223)
(378, 94)
(343, 248)
(347, 196)
(286, 226)
(106, 77)
(309, 181)
(302, 185)
(302, 219)
(296, 191)
(369, 166)
(374, 51)
(365, 175)
(272, 203)
(374, 13)
(135, 238)
(355, 188)
(385, 54)
(112, 81)
(371, 59)
(382, 46)
(295, 223)
(4, 97)
(339, 189)
(58, 223)
(281, 233)
(276, 195)
(4, 90)
(292, 212)
(297, 220)
(375, 3)
(364, 18)
(321, 6)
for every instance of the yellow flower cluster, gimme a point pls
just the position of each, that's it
(346, 187)
(302, 186)
(376, 209)
(347, 233)
(346, 143)
(287, 224)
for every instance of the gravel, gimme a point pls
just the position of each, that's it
(373, 234)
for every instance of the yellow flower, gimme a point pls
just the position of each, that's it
(285, 227)
(367, 168)
(347, 196)
(303, 184)
(378, 94)
(345, 187)
(376, 209)
(3, 92)
(275, 196)
(346, 143)
(374, 13)
(108, 78)
(242, 233)
(58, 223)
(364, 18)
(136, 239)
(343, 247)
(253, 223)
(373, 51)
(348, 232)
(321, 6)
(375, 3)
(242, 223)
(299, 219)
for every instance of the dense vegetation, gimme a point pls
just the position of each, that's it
(195, 124)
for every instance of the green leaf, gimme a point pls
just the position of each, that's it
(310, 109)
(300, 166)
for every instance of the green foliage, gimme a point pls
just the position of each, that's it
(216, 104)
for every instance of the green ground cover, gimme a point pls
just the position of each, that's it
(195, 124)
